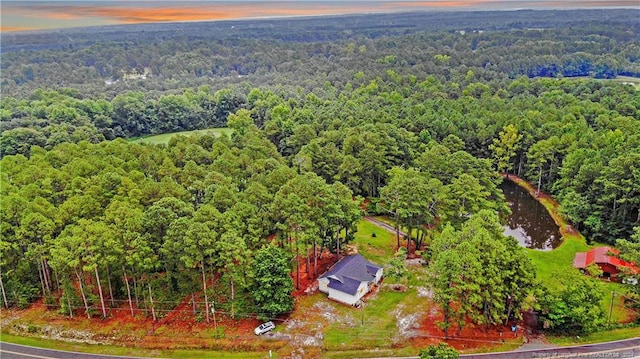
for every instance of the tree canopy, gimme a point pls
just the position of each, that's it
(418, 118)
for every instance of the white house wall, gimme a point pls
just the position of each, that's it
(342, 297)
(323, 285)
(378, 276)
(363, 289)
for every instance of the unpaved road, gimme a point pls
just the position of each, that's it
(383, 225)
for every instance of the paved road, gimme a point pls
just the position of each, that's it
(15, 351)
(621, 349)
(626, 349)
(629, 348)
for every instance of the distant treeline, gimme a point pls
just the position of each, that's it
(308, 52)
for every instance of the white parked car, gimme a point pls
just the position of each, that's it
(264, 327)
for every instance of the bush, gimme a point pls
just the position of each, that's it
(594, 270)
(50, 301)
(440, 351)
(218, 333)
(23, 302)
(576, 308)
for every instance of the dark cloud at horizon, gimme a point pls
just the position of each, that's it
(38, 15)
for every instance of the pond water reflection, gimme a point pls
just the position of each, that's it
(529, 222)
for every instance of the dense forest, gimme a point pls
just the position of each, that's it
(307, 52)
(321, 120)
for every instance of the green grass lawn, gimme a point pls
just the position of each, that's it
(599, 337)
(356, 332)
(550, 264)
(620, 314)
(128, 351)
(165, 137)
(371, 353)
(374, 325)
(374, 243)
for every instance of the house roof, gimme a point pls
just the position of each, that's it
(600, 255)
(348, 285)
(349, 272)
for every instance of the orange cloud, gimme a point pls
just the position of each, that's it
(134, 15)
(319, 10)
(15, 28)
(56, 15)
(138, 14)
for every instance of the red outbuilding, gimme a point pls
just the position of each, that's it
(605, 258)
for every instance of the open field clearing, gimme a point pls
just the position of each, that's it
(165, 137)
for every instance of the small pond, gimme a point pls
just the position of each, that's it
(529, 222)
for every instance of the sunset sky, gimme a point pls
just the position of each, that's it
(37, 15)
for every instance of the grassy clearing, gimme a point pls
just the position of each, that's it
(551, 264)
(390, 221)
(608, 336)
(619, 79)
(628, 80)
(386, 219)
(349, 330)
(374, 243)
(620, 313)
(165, 137)
(374, 324)
(126, 351)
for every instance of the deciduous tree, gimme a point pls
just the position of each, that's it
(273, 285)
(504, 147)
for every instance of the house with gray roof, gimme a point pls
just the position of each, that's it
(350, 279)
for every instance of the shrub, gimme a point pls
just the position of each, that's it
(440, 351)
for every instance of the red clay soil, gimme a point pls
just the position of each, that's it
(239, 331)
(178, 328)
(365, 204)
(471, 337)
(307, 280)
(181, 317)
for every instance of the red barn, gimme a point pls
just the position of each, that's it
(609, 264)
